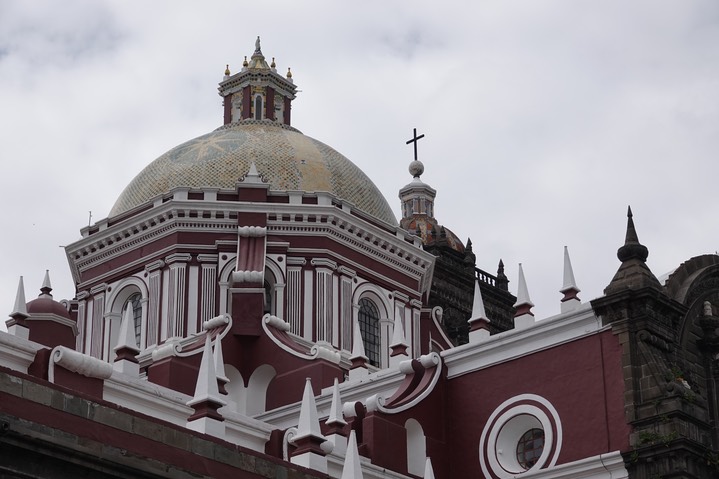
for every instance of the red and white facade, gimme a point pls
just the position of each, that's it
(293, 324)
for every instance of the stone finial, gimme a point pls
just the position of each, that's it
(502, 280)
(207, 400)
(523, 315)
(358, 357)
(20, 308)
(309, 423)
(309, 438)
(335, 416)
(352, 468)
(478, 323)
(633, 273)
(428, 471)
(46, 287)
(398, 346)
(127, 350)
(227, 70)
(570, 301)
(17, 324)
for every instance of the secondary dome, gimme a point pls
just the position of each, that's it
(284, 157)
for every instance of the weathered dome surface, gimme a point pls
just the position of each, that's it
(284, 157)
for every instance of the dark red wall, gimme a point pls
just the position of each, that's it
(581, 379)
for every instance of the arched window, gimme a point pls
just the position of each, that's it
(258, 107)
(134, 300)
(369, 329)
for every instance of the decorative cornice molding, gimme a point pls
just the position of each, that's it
(99, 288)
(154, 266)
(323, 263)
(294, 261)
(207, 258)
(177, 258)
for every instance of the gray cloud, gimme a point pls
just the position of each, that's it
(543, 119)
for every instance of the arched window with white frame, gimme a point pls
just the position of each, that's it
(369, 323)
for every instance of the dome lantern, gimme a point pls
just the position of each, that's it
(257, 92)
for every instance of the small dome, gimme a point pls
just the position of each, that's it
(47, 305)
(431, 233)
(284, 157)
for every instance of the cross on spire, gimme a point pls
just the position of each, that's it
(414, 140)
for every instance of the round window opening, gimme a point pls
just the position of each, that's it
(530, 447)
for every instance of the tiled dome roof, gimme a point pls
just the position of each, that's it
(284, 157)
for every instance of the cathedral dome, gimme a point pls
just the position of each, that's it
(284, 157)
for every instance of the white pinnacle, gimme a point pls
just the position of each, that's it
(127, 337)
(428, 471)
(522, 292)
(357, 343)
(352, 468)
(478, 304)
(309, 423)
(398, 336)
(335, 416)
(20, 305)
(46, 280)
(206, 388)
(569, 282)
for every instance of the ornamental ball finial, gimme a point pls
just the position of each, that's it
(416, 168)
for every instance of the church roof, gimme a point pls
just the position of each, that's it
(284, 157)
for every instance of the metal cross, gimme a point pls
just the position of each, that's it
(414, 140)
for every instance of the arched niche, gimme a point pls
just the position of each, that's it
(416, 447)
(116, 302)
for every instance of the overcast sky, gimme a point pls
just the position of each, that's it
(543, 119)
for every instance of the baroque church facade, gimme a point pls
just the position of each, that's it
(251, 307)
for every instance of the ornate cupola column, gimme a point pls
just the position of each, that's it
(257, 92)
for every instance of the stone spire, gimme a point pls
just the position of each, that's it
(335, 422)
(502, 280)
(359, 359)
(352, 468)
(46, 287)
(428, 471)
(398, 347)
(633, 273)
(309, 438)
(207, 398)
(570, 301)
(478, 323)
(127, 350)
(523, 316)
(17, 324)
